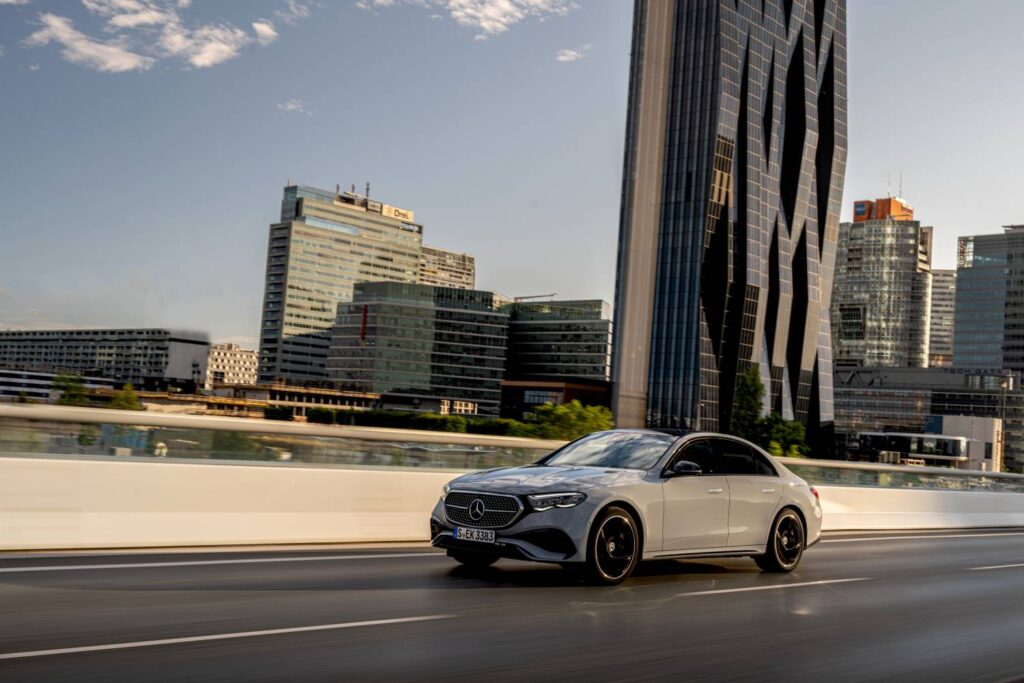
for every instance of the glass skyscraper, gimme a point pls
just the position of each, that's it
(733, 173)
(989, 328)
(882, 290)
(941, 319)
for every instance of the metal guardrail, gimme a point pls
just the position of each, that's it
(76, 432)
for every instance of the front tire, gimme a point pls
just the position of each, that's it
(786, 543)
(614, 547)
(473, 560)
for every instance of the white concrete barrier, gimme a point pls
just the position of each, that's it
(52, 503)
(48, 503)
(866, 508)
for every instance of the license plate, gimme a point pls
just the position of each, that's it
(478, 535)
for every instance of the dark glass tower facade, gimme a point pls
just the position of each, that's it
(734, 162)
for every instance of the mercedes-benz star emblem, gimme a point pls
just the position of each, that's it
(476, 510)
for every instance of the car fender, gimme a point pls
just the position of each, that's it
(648, 513)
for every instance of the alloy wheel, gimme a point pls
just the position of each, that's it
(615, 547)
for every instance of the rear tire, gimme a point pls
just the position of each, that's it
(786, 542)
(613, 549)
(473, 560)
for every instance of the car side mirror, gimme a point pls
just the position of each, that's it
(684, 468)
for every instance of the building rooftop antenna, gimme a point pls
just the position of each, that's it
(367, 189)
(901, 183)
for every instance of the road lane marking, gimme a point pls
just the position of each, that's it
(219, 636)
(996, 566)
(917, 538)
(777, 586)
(194, 563)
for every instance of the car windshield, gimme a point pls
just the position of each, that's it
(622, 450)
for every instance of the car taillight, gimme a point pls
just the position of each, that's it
(815, 492)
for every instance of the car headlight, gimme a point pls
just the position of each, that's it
(546, 501)
(445, 489)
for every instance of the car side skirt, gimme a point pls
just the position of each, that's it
(707, 552)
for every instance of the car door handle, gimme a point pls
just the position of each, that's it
(767, 490)
(714, 490)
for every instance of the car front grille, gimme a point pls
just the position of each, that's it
(494, 511)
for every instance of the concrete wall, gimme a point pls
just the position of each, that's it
(880, 508)
(51, 503)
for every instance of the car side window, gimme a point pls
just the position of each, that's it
(736, 457)
(703, 453)
(739, 459)
(764, 468)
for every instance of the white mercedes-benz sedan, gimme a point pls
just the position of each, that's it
(604, 502)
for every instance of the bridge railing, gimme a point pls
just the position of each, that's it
(58, 431)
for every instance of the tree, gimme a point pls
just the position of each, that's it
(72, 390)
(568, 420)
(126, 399)
(788, 436)
(746, 404)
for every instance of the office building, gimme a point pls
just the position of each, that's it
(39, 387)
(881, 293)
(229, 363)
(989, 315)
(324, 243)
(436, 349)
(734, 161)
(146, 358)
(441, 268)
(548, 339)
(902, 399)
(958, 441)
(558, 351)
(941, 319)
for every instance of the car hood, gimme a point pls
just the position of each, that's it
(542, 478)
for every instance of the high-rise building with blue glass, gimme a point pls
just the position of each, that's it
(989, 319)
(734, 162)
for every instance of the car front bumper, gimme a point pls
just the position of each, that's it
(557, 535)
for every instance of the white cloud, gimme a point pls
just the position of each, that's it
(294, 105)
(1, 50)
(567, 55)
(13, 2)
(295, 11)
(146, 31)
(108, 56)
(265, 32)
(205, 46)
(33, 67)
(489, 17)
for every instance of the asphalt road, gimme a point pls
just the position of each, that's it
(901, 606)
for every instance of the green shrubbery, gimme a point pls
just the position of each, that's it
(321, 416)
(283, 413)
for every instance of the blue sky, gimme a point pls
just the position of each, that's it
(144, 143)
